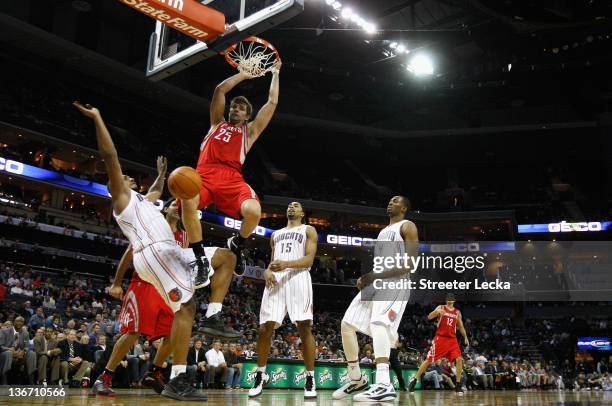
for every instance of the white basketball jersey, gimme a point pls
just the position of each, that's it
(290, 244)
(390, 241)
(142, 223)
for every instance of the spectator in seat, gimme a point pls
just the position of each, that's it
(73, 368)
(433, 375)
(196, 362)
(37, 320)
(367, 358)
(15, 341)
(217, 368)
(234, 368)
(47, 354)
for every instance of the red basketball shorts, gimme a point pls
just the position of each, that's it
(144, 311)
(225, 187)
(444, 347)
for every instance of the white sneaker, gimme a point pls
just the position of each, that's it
(350, 388)
(310, 391)
(261, 378)
(379, 392)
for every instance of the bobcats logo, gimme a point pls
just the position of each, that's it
(175, 295)
(325, 376)
(392, 315)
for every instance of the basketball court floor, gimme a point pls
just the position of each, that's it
(129, 397)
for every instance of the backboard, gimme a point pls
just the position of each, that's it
(171, 51)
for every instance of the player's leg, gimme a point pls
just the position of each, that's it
(155, 379)
(419, 374)
(355, 319)
(459, 367)
(308, 350)
(223, 262)
(103, 384)
(250, 210)
(191, 221)
(264, 342)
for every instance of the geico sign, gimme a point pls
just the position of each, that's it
(11, 166)
(462, 247)
(347, 240)
(235, 224)
(595, 343)
(565, 227)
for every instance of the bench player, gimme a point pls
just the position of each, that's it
(444, 344)
(288, 290)
(157, 258)
(379, 318)
(222, 155)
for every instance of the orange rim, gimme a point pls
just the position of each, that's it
(257, 40)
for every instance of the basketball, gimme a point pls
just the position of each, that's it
(184, 183)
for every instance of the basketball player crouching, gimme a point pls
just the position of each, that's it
(288, 290)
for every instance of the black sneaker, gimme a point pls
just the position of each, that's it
(412, 385)
(214, 327)
(237, 250)
(180, 388)
(309, 387)
(103, 385)
(458, 389)
(155, 380)
(200, 272)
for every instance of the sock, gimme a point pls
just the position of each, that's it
(309, 373)
(354, 372)
(261, 369)
(213, 308)
(382, 374)
(177, 369)
(198, 249)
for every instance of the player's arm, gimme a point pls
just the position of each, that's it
(436, 312)
(257, 126)
(217, 104)
(462, 330)
(124, 264)
(304, 262)
(120, 193)
(157, 188)
(268, 275)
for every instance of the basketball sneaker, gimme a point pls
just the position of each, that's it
(350, 388)
(179, 388)
(213, 326)
(412, 385)
(237, 248)
(310, 391)
(379, 392)
(103, 385)
(201, 271)
(261, 378)
(155, 380)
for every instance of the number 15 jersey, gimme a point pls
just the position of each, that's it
(290, 244)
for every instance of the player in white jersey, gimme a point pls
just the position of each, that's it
(157, 258)
(288, 290)
(379, 317)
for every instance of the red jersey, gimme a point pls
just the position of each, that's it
(226, 145)
(181, 238)
(447, 322)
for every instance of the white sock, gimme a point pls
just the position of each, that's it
(354, 372)
(213, 308)
(309, 373)
(261, 369)
(382, 373)
(177, 369)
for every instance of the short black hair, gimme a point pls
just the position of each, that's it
(405, 202)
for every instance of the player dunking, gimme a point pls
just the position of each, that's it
(157, 258)
(222, 155)
(379, 317)
(445, 342)
(288, 290)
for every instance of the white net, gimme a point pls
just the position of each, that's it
(253, 58)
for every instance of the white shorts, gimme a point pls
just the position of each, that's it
(164, 266)
(292, 294)
(360, 314)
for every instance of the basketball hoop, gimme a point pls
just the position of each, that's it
(253, 56)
